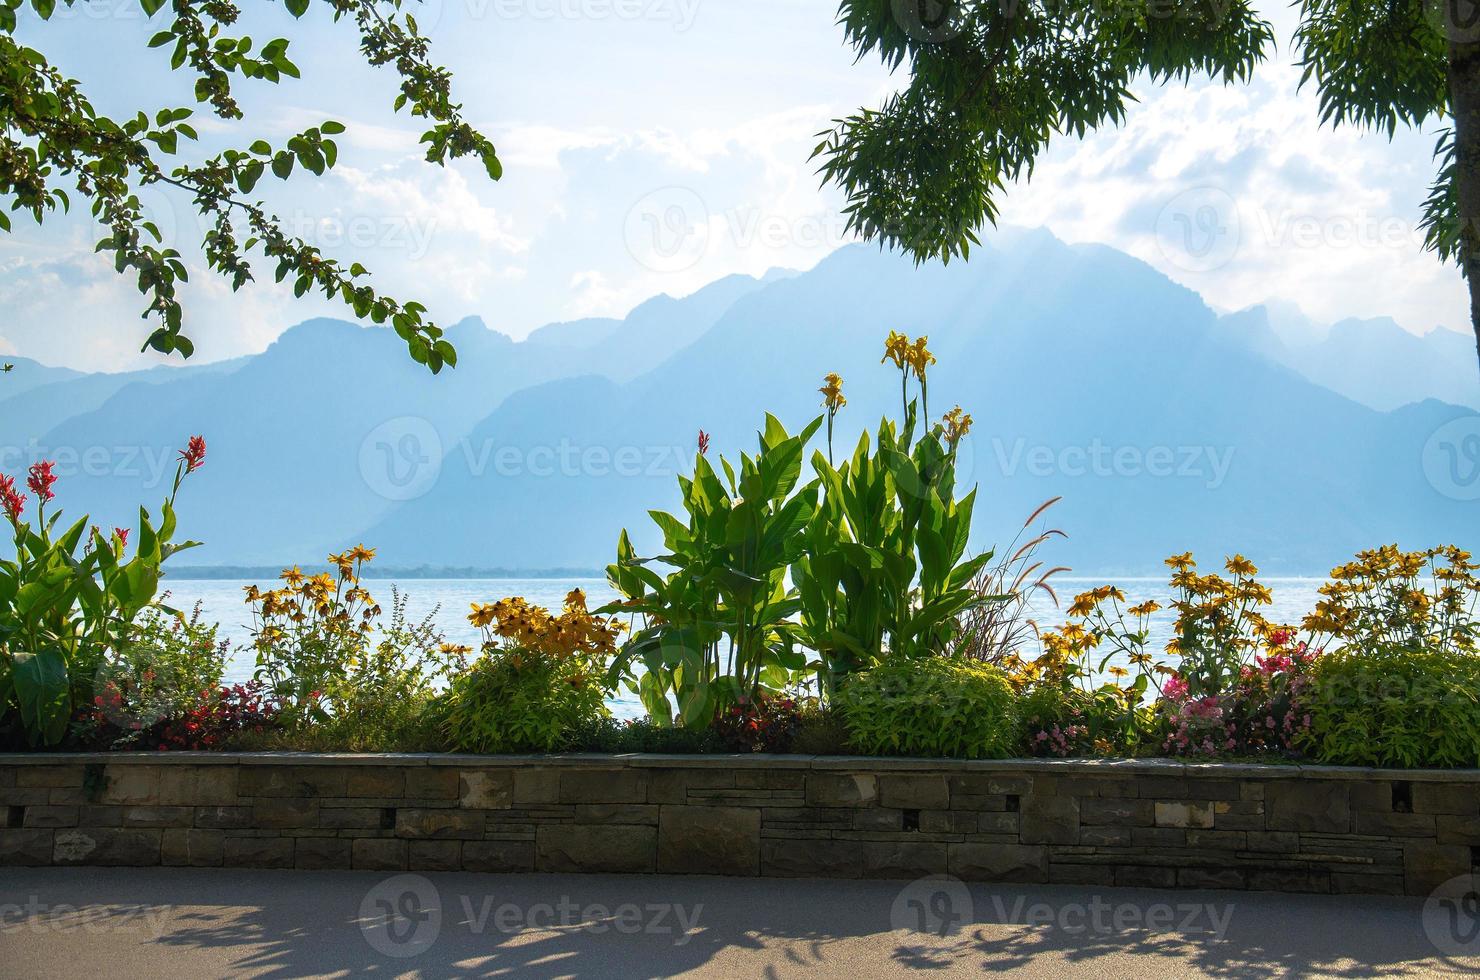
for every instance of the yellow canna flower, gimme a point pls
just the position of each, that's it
(832, 392)
(919, 358)
(957, 424)
(896, 349)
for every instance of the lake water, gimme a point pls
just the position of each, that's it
(222, 601)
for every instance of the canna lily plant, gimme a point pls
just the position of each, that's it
(865, 561)
(717, 629)
(68, 595)
(882, 571)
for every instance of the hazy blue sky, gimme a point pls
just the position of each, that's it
(654, 145)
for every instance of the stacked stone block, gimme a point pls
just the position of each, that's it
(1152, 823)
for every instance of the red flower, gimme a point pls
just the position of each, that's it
(122, 533)
(11, 499)
(703, 442)
(194, 455)
(41, 480)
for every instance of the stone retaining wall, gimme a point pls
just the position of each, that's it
(1148, 823)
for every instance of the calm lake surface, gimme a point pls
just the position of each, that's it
(221, 600)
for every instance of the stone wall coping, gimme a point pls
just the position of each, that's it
(1103, 768)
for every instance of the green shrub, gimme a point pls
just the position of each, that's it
(820, 731)
(932, 706)
(620, 737)
(163, 668)
(517, 701)
(1394, 706)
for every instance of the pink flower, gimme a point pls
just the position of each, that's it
(194, 454)
(41, 479)
(11, 499)
(1175, 688)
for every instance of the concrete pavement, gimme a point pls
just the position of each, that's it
(201, 923)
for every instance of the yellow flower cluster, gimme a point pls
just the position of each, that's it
(1405, 597)
(1219, 613)
(914, 356)
(319, 601)
(515, 624)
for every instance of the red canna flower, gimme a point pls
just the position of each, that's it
(41, 479)
(703, 442)
(194, 455)
(11, 499)
(122, 533)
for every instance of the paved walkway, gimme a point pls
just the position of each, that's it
(202, 923)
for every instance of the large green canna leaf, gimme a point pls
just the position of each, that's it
(40, 683)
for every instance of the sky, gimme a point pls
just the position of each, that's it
(653, 146)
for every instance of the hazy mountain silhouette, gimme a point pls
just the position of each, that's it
(27, 374)
(1374, 361)
(1090, 375)
(305, 439)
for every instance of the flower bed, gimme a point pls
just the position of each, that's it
(1156, 823)
(823, 606)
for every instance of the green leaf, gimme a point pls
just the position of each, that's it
(41, 691)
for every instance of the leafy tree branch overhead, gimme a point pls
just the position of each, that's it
(992, 82)
(54, 144)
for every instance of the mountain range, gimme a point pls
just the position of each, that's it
(1164, 425)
